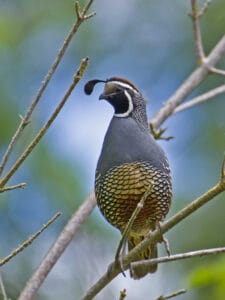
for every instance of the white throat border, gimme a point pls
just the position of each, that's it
(130, 105)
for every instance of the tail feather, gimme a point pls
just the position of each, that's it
(150, 252)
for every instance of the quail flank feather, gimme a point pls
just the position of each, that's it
(131, 161)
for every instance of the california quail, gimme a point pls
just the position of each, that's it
(129, 163)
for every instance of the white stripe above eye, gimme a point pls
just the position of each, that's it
(125, 85)
(130, 105)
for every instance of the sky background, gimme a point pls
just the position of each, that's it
(150, 43)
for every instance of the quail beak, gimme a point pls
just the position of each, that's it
(103, 96)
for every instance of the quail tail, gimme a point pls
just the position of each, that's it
(149, 253)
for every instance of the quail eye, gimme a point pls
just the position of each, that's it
(118, 90)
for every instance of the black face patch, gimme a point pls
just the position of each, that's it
(120, 102)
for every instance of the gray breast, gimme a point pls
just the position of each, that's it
(125, 141)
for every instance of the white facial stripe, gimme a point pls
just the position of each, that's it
(125, 85)
(130, 106)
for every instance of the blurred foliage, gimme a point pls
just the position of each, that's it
(209, 280)
(60, 179)
(152, 45)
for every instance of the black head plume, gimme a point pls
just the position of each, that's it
(89, 86)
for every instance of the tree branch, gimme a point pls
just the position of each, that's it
(155, 236)
(41, 133)
(189, 85)
(81, 17)
(2, 288)
(217, 71)
(13, 187)
(129, 225)
(223, 172)
(28, 242)
(58, 248)
(200, 99)
(197, 32)
(191, 254)
(174, 294)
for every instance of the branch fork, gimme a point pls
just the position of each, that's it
(81, 15)
(202, 59)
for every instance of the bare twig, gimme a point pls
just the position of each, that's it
(43, 130)
(222, 178)
(189, 85)
(191, 254)
(204, 8)
(200, 99)
(13, 187)
(155, 236)
(196, 14)
(2, 288)
(217, 71)
(58, 248)
(29, 241)
(131, 221)
(174, 294)
(81, 17)
(197, 32)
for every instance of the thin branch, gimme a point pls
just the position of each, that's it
(164, 259)
(29, 241)
(200, 99)
(189, 85)
(195, 15)
(77, 10)
(174, 294)
(2, 288)
(135, 213)
(222, 178)
(13, 187)
(41, 133)
(89, 16)
(81, 17)
(155, 236)
(197, 32)
(217, 71)
(58, 248)
(204, 8)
